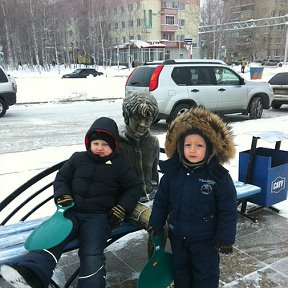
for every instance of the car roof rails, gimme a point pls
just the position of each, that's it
(193, 61)
(153, 62)
(185, 61)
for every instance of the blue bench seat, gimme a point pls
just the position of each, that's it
(244, 193)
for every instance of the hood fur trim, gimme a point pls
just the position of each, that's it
(210, 124)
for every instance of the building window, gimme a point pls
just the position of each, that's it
(167, 37)
(180, 38)
(181, 6)
(122, 9)
(170, 20)
(130, 7)
(170, 4)
(138, 21)
(116, 25)
(138, 5)
(130, 23)
(167, 54)
(181, 22)
(148, 24)
(123, 24)
(150, 19)
(278, 41)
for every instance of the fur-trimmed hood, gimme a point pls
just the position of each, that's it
(210, 124)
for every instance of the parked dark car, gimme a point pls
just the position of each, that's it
(82, 73)
(279, 84)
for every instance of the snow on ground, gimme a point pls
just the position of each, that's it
(34, 87)
(110, 85)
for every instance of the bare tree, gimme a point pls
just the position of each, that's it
(42, 32)
(212, 14)
(7, 33)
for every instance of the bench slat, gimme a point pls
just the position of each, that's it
(245, 190)
(13, 245)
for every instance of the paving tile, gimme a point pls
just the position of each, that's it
(132, 250)
(264, 246)
(266, 218)
(238, 265)
(281, 266)
(265, 278)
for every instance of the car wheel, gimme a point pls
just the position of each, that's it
(2, 108)
(256, 108)
(276, 105)
(179, 109)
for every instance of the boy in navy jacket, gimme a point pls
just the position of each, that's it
(197, 197)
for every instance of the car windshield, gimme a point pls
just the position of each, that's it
(77, 71)
(279, 79)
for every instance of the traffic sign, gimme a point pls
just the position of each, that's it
(188, 40)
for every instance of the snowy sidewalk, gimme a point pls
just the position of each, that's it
(260, 257)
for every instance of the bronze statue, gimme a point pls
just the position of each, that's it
(141, 148)
(140, 110)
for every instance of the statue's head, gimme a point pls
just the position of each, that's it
(139, 105)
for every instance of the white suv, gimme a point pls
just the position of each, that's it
(8, 90)
(180, 84)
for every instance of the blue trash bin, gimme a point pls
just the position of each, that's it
(270, 172)
(256, 73)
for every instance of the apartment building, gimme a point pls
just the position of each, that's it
(255, 43)
(149, 30)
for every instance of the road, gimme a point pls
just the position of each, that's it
(33, 126)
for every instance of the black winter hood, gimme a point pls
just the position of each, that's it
(103, 125)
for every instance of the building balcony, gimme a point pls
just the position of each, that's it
(169, 11)
(169, 27)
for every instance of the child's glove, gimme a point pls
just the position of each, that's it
(64, 200)
(116, 215)
(224, 249)
(155, 231)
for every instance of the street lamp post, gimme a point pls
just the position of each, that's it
(179, 44)
(179, 32)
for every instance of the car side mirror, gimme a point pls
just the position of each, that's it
(242, 81)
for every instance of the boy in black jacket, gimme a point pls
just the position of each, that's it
(104, 189)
